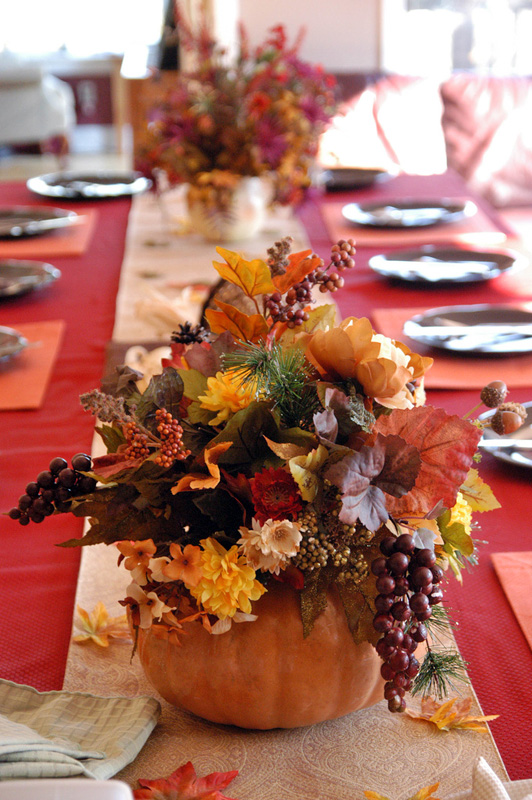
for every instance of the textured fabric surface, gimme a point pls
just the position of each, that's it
(486, 123)
(487, 786)
(61, 734)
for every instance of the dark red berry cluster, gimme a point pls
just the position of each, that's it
(136, 441)
(171, 435)
(54, 489)
(407, 582)
(291, 307)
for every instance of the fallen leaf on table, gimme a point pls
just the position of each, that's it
(453, 713)
(183, 784)
(422, 794)
(98, 626)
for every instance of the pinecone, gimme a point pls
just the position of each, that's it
(189, 334)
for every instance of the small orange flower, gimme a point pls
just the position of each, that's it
(138, 556)
(186, 564)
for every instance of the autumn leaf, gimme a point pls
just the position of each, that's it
(478, 494)
(97, 626)
(253, 277)
(300, 264)
(183, 784)
(423, 794)
(304, 471)
(286, 450)
(107, 467)
(446, 445)
(247, 327)
(452, 714)
(198, 480)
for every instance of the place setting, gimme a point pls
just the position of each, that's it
(83, 185)
(18, 277)
(39, 232)
(409, 221)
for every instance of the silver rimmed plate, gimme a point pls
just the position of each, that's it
(18, 277)
(408, 212)
(514, 448)
(21, 221)
(341, 179)
(490, 329)
(89, 185)
(11, 344)
(433, 264)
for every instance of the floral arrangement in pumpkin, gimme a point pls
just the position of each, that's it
(262, 113)
(279, 445)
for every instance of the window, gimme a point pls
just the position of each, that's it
(78, 28)
(433, 37)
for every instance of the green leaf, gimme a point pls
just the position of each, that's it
(455, 536)
(226, 512)
(246, 430)
(163, 391)
(112, 437)
(198, 415)
(194, 383)
(322, 317)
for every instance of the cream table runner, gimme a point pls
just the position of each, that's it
(335, 760)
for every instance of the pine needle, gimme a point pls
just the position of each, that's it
(440, 671)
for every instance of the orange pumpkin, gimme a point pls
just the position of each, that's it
(264, 674)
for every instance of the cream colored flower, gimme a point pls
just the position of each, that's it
(149, 605)
(269, 547)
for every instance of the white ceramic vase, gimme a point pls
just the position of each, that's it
(240, 218)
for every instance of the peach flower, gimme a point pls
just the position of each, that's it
(382, 366)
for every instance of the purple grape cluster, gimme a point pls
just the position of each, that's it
(291, 308)
(53, 489)
(407, 582)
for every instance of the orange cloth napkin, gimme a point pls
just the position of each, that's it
(451, 371)
(475, 230)
(24, 379)
(70, 241)
(514, 571)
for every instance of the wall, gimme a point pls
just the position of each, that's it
(343, 35)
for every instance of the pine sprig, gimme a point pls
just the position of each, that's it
(439, 672)
(281, 374)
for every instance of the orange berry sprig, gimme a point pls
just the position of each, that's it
(171, 434)
(136, 441)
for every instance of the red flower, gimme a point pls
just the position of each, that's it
(275, 495)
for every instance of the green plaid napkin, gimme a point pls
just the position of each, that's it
(62, 734)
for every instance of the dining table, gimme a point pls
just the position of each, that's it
(38, 579)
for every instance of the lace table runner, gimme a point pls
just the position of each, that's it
(335, 760)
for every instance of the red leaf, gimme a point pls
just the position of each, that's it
(446, 445)
(183, 784)
(113, 463)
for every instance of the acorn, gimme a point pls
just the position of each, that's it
(508, 418)
(494, 393)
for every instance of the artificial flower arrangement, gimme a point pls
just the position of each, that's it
(280, 446)
(262, 114)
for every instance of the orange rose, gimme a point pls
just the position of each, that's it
(380, 365)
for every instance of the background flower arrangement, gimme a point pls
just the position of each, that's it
(261, 114)
(279, 446)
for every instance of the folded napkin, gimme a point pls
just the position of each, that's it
(453, 371)
(72, 240)
(62, 734)
(476, 230)
(514, 571)
(487, 786)
(24, 379)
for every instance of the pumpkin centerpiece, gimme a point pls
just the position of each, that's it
(284, 501)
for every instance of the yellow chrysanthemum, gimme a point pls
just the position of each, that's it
(461, 512)
(226, 395)
(228, 584)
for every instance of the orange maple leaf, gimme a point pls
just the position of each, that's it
(247, 327)
(453, 713)
(300, 264)
(198, 480)
(446, 445)
(253, 277)
(184, 784)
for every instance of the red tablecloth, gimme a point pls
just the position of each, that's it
(38, 581)
(488, 635)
